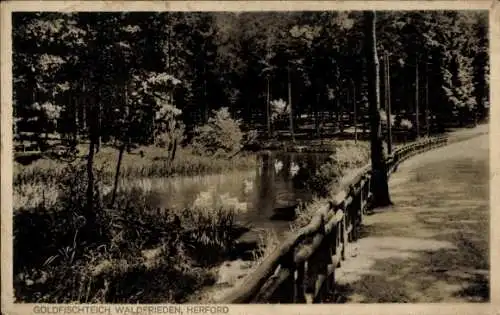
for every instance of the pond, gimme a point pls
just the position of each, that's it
(265, 196)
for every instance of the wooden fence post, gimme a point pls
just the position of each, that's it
(357, 205)
(324, 258)
(362, 199)
(299, 292)
(287, 288)
(343, 232)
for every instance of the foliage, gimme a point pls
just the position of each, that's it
(326, 177)
(279, 108)
(268, 242)
(221, 136)
(120, 69)
(67, 261)
(151, 80)
(347, 156)
(383, 118)
(405, 124)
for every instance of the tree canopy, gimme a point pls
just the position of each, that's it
(115, 75)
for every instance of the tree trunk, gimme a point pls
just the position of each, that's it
(355, 112)
(90, 176)
(417, 114)
(98, 128)
(388, 109)
(290, 104)
(427, 122)
(174, 150)
(379, 186)
(206, 111)
(90, 168)
(83, 107)
(341, 115)
(75, 129)
(268, 109)
(117, 174)
(316, 117)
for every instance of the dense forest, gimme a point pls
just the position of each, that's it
(189, 94)
(140, 75)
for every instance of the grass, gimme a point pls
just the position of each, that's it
(36, 183)
(268, 242)
(143, 162)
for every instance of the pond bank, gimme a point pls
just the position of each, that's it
(256, 245)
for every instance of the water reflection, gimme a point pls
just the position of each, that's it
(264, 197)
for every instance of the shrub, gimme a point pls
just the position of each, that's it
(348, 155)
(279, 108)
(267, 243)
(305, 213)
(169, 130)
(405, 124)
(325, 177)
(383, 118)
(220, 136)
(168, 138)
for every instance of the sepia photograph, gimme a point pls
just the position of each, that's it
(249, 157)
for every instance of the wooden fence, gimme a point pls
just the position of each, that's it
(302, 269)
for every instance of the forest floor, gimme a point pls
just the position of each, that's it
(432, 245)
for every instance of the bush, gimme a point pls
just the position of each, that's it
(325, 177)
(221, 136)
(405, 124)
(170, 137)
(348, 155)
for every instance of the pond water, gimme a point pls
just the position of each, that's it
(264, 196)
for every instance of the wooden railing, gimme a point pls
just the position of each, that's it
(302, 269)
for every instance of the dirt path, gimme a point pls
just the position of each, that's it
(433, 244)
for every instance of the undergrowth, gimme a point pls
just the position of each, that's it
(143, 162)
(326, 181)
(63, 253)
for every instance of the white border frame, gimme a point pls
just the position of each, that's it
(383, 309)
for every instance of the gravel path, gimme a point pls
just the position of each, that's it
(433, 244)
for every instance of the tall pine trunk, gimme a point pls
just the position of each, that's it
(317, 121)
(90, 176)
(98, 128)
(355, 112)
(117, 174)
(379, 186)
(268, 108)
(75, 112)
(417, 111)
(427, 114)
(125, 141)
(340, 115)
(90, 215)
(388, 103)
(290, 104)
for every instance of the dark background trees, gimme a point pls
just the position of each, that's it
(77, 74)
